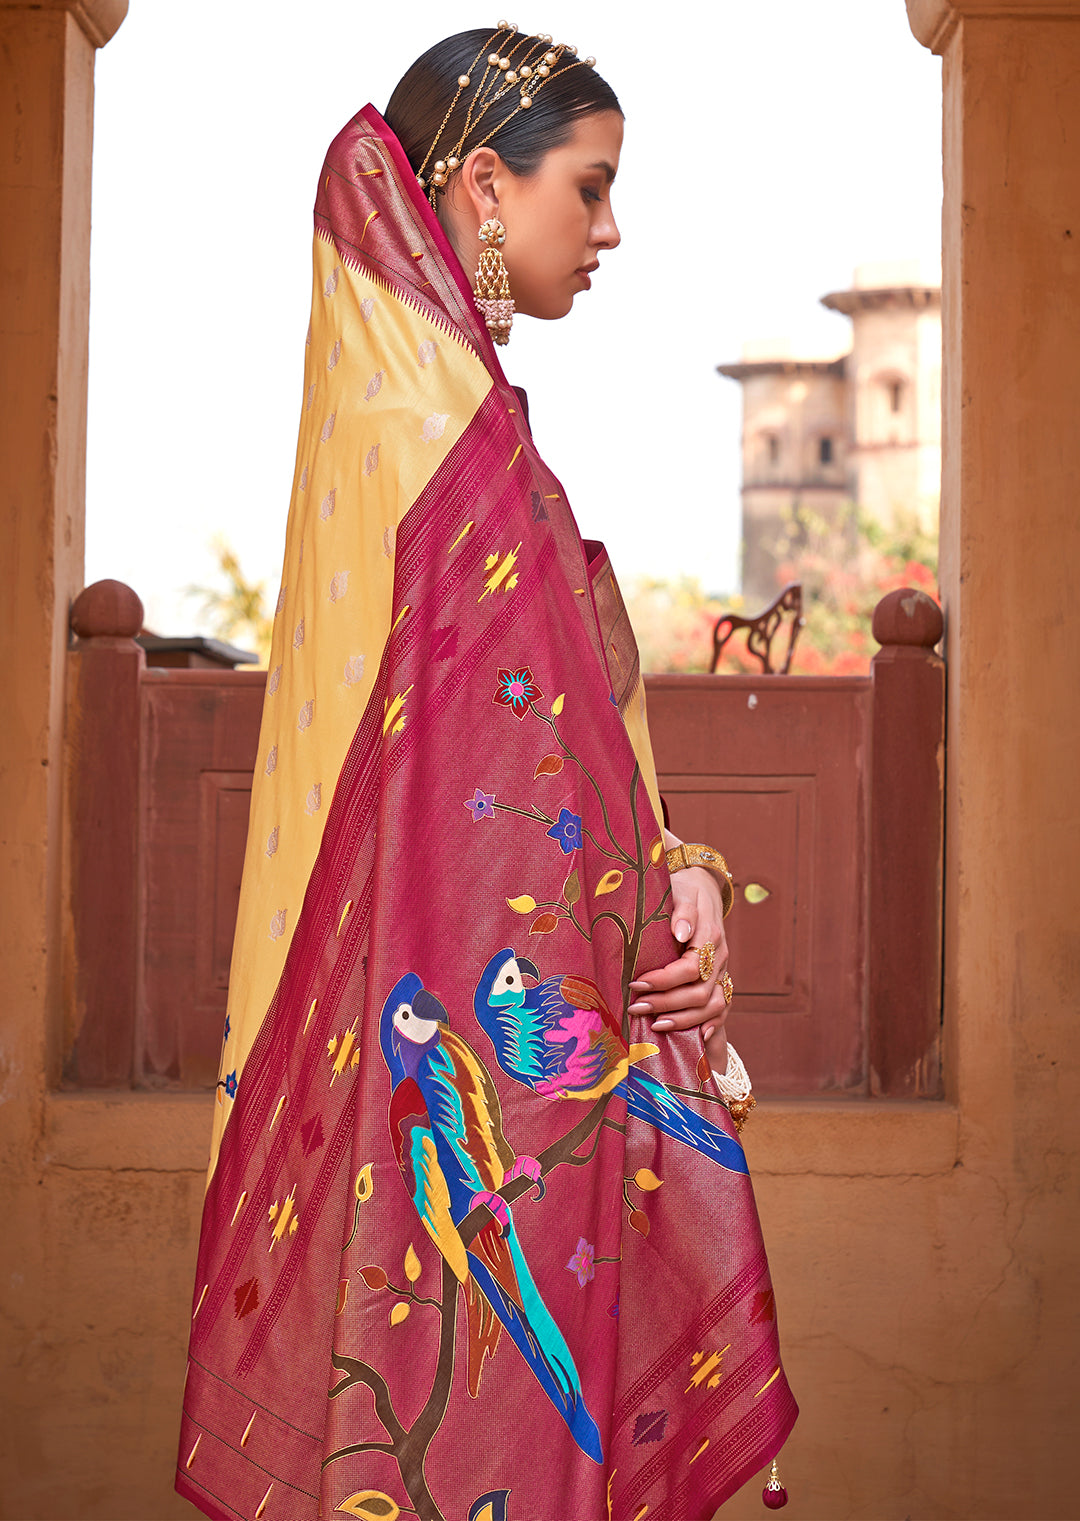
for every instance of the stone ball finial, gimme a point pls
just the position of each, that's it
(907, 616)
(107, 609)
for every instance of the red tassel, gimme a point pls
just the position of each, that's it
(774, 1495)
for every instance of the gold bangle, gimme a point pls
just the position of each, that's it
(682, 856)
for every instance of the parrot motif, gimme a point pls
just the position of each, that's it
(446, 1128)
(561, 1039)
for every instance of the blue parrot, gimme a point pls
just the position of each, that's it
(446, 1129)
(561, 1039)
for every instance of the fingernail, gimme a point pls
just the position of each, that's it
(682, 931)
(708, 1030)
(662, 1024)
(641, 987)
(640, 1008)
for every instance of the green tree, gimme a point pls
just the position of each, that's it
(236, 612)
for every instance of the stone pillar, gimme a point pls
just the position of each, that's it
(46, 131)
(1010, 550)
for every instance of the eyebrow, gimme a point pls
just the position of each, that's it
(606, 169)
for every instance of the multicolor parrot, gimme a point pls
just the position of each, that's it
(561, 1039)
(446, 1129)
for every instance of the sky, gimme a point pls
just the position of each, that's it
(769, 149)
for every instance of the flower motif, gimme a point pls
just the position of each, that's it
(481, 806)
(581, 1262)
(567, 831)
(230, 1084)
(516, 690)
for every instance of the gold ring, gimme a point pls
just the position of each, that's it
(706, 957)
(727, 987)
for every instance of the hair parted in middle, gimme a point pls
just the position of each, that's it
(472, 89)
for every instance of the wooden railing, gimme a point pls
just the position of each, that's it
(825, 793)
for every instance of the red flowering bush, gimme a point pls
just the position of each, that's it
(845, 566)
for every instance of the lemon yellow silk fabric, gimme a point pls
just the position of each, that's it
(387, 394)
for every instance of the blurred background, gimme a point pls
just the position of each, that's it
(769, 151)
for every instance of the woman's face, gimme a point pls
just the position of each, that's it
(559, 218)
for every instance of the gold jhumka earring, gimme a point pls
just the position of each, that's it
(492, 290)
(526, 66)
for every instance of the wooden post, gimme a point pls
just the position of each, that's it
(106, 667)
(907, 781)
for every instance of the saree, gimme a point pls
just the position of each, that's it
(474, 1246)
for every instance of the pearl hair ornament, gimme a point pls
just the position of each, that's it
(525, 64)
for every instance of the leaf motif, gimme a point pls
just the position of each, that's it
(426, 352)
(329, 502)
(370, 1505)
(331, 282)
(310, 397)
(328, 428)
(247, 1298)
(753, 892)
(572, 889)
(704, 1071)
(650, 1427)
(399, 1313)
(374, 1277)
(342, 1295)
(647, 1180)
(364, 1187)
(412, 1265)
(311, 1134)
(374, 385)
(522, 905)
(557, 705)
(277, 925)
(335, 355)
(434, 427)
(544, 924)
(639, 1221)
(656, 851)
(551, 765)
(371, 463)
(608, 883)
(764, 1307)
(366, 309)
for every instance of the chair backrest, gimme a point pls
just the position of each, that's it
(761, 631)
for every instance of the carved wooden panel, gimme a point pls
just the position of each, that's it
(773, 772)
(200, 736)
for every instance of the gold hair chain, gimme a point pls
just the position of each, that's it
(539, 63)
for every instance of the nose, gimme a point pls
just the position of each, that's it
(606, 233)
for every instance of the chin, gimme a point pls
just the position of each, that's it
(547, 309)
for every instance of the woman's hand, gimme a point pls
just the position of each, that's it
(675, 994)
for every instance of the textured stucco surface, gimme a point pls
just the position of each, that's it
(924, 1257)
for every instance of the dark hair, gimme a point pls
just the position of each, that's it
(421, 98)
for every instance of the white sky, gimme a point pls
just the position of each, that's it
(769, 148)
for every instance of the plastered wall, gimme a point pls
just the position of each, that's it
(924, 1256)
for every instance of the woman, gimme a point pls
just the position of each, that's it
(457, 1180)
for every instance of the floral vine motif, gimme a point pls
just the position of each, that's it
(517, 691)
(582, 1261)
(581, 903)
(566, 831)
(481, 805)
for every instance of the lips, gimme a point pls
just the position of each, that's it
(586, 271)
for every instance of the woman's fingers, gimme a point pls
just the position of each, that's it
(713, 1011)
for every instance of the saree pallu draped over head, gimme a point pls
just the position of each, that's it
(474, 1245)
